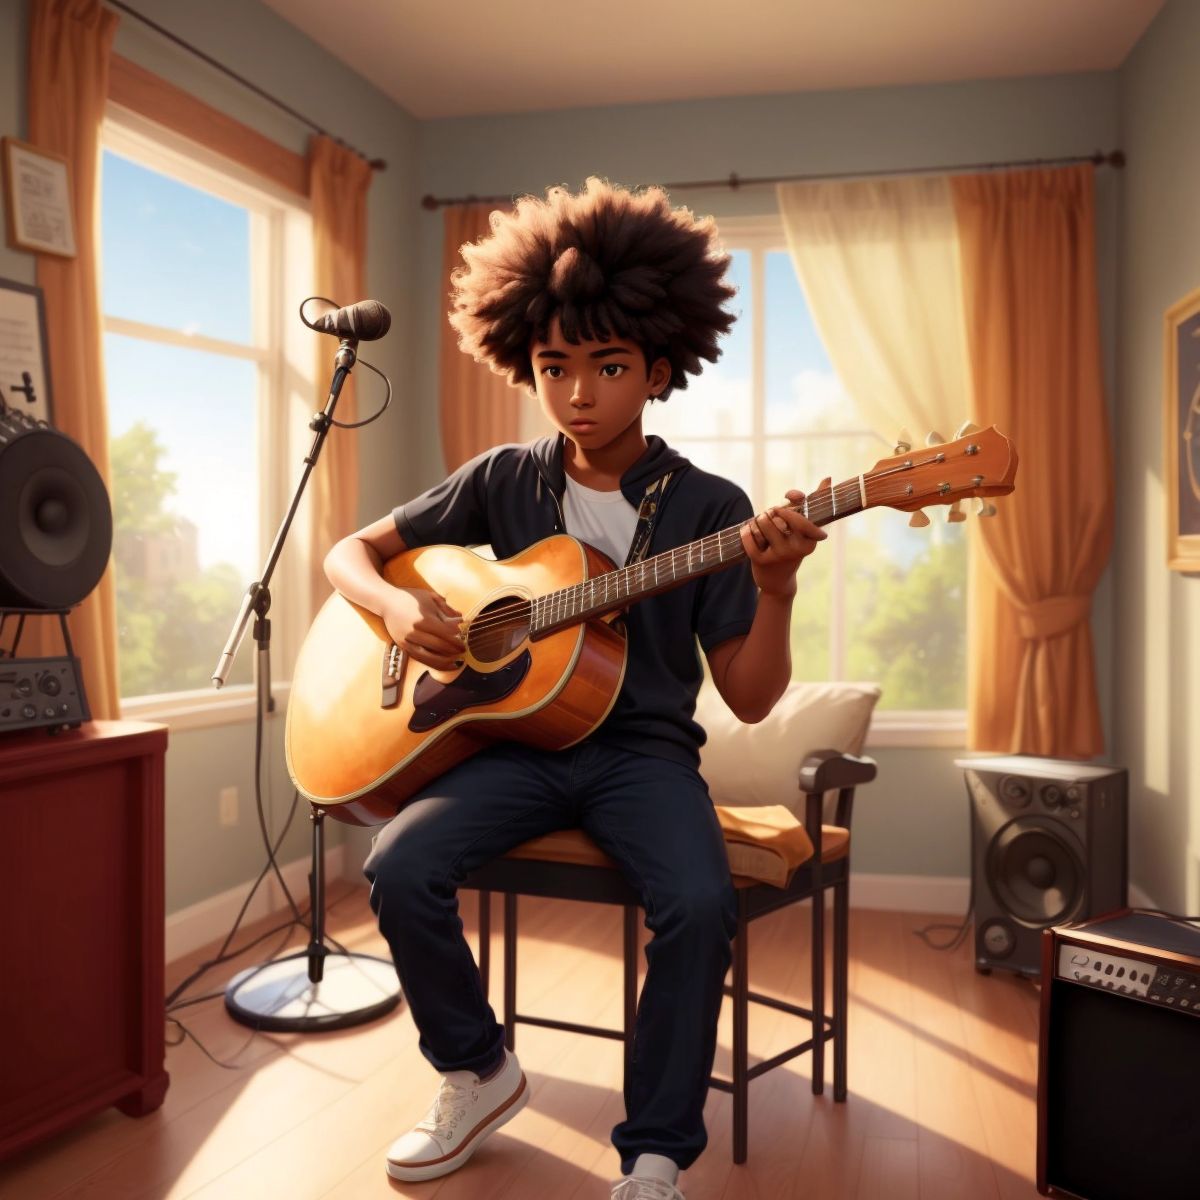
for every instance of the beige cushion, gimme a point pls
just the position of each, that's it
(760, 764)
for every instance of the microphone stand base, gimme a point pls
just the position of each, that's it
(279, 996)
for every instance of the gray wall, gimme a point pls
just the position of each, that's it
(914, 819)
(1157, 651)
(203, 858)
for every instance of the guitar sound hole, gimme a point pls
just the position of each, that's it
(498, 629)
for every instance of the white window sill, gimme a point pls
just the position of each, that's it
(918, 729)
(203, 709)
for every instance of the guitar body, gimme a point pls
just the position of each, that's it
(368, 728)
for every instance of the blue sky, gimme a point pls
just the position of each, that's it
(179, 257)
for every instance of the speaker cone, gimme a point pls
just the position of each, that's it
(1035, 872)
(55, 519)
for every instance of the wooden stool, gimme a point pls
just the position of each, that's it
(568, 865)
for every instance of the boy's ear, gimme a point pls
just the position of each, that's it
(660, 375)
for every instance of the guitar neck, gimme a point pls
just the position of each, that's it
(615, 590)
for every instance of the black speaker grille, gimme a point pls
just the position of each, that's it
(1121, 1101)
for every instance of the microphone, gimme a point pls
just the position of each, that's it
(365, 321)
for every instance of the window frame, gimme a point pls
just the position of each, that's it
(281, 228)
(761, 235)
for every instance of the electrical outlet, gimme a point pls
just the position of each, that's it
(227, 805)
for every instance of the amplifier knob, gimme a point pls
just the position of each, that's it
(1052, 795)
(48, 711)
(64, 709)
(50, 685)
(28, 712)
(25, 687)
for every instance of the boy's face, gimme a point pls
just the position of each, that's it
(594, 391)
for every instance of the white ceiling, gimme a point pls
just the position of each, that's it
(446, 58)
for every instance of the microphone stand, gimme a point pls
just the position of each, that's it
(316, 988)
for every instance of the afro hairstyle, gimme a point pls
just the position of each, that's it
(607, 262)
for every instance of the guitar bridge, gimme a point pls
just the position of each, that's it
(390, 681)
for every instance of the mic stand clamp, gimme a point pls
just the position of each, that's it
(316, 988)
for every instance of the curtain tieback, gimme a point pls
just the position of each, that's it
(1053, 616)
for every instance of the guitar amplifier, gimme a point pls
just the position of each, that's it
(40, 693)
(1119, 1060)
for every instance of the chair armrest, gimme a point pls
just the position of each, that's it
(824, 770)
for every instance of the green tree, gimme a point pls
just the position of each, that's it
(170, 628)
(908, 626)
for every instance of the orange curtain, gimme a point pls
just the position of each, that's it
(478, 408)
(69, 43)
(1029, 284)
(338, 183)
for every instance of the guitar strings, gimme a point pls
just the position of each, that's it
(515, 613)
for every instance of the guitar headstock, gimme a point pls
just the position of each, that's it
(980, 463)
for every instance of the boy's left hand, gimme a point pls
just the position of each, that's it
(777, 541)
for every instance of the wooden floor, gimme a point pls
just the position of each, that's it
(942, 1086)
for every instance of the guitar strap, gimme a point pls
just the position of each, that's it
(645, 521)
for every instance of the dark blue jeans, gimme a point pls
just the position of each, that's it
(655, 818)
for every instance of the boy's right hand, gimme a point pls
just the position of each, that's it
(425, 626)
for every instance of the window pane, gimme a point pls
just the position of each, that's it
(906, 608)
(803, 392)
(173, 255)
(183, 439)
(717, 403)
(731, 459)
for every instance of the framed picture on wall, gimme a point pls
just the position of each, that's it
(24, 366)
(37, 197)
(1181, 423)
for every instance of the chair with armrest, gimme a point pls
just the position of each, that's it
(744, 766)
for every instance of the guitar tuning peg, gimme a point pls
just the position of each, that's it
(965, 428)
(955, 512)
(918, 520)
(903, 442)
(934, 439)
(983, 508)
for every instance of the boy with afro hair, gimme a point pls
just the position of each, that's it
(597, 302)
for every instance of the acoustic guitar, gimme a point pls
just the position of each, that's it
(367, 727)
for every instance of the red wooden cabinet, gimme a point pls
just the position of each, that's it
(81, 926)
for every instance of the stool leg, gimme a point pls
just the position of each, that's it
(510, 970)
(841, 968)
(485, 939)
(741, 1031)
(631, 991)
(818, 990)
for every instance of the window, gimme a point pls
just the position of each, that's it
(879, 601)
(203, 377)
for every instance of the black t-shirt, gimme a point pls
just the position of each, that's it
(510, 497)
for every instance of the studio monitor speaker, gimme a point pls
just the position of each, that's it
(1048, 846)
(55, 519)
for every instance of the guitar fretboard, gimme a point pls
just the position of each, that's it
(615, 589)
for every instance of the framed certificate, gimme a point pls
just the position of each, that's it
(24, 367)
(37, 194)
(1181, 423)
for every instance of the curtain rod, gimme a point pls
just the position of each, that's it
(1114, 158)
(377, 164)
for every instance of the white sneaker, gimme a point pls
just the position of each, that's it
(631, 1188)
(653, 1178)
(464, 1112)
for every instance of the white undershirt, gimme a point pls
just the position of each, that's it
(605, 520)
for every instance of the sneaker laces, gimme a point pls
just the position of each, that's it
(630, 1188)
(448, 1109)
